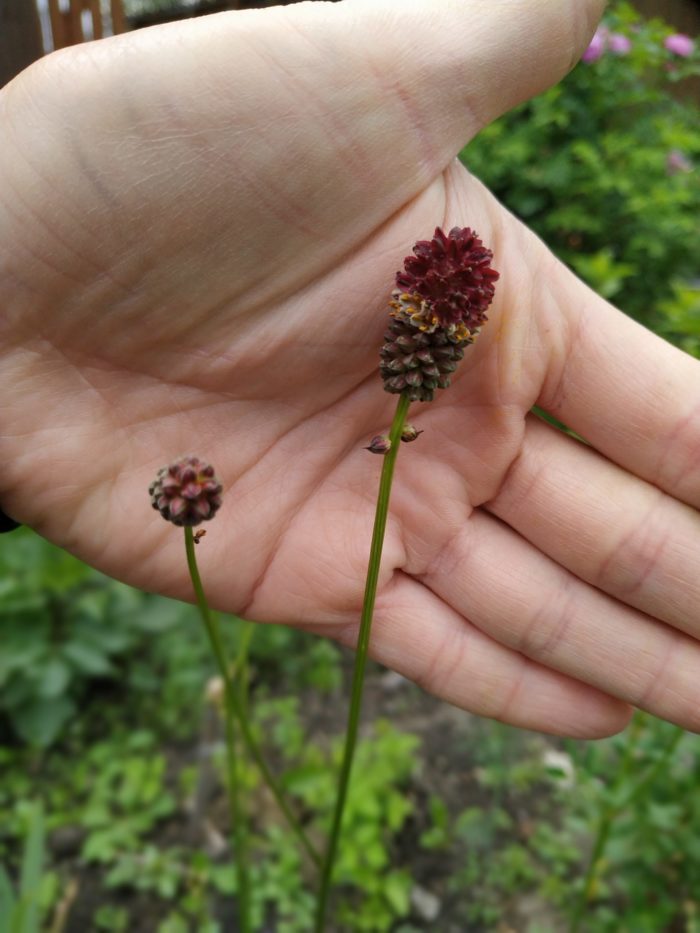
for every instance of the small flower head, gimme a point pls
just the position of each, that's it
(679, 44)
(451, 274)
(186, 492)
(409, 433)
(379, 444)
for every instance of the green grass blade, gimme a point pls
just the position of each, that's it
(32, 865)
(7, 902)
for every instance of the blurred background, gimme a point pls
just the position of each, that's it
(112, 811)
(29, 28)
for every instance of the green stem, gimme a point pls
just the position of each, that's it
(239, 711)
(606, 819)
(605, 822)
(611, 812)
(238, 825)
(361, 656)
(241, 673)
(654, 769)
(254, 751)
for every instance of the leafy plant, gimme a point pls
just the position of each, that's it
(121, 802)
(21, 911)
(604, 167)
(645, 824)
(126, 798)
(679, 316)
(64, 627)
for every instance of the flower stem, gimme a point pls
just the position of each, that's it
(238, 824)
(237, 706)
(375, 556)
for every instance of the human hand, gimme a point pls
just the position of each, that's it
(200, 225)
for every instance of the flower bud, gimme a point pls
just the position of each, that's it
(409, 433)
(186, 492)
(379, 444)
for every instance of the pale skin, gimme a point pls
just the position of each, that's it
(200, 225)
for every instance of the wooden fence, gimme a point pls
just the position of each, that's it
(77, 20)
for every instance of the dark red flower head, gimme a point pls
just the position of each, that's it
(186, 492)
(452, 274)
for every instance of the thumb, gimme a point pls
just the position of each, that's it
(405, 84)
(453, 66)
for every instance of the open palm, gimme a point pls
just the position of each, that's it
(200, 227)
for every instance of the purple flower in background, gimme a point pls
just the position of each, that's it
(596, 47)
(619, 44)
(677, 162)
(679, 44)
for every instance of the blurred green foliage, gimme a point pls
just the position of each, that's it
(679, 316)
(522, 852)
(70, 635)
(604, 167)
(21, 910)
(65, 627)
(122, 805)
(648, 812)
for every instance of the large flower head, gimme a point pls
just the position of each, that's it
(186, 492)
(440, 304)
(452, 274)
